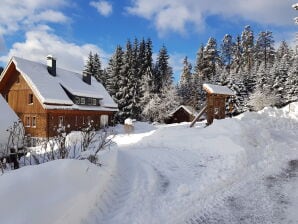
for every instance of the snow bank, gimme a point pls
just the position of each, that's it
(61, 191)
(7, 119)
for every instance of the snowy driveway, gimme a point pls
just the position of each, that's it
(240, 170)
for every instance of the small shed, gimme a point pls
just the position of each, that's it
(216, 101)
(182, 114)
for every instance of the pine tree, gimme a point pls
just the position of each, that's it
(292, 82)
(199, 94)
(126, 90)
(247, 46)
(97, 70)
(210, 60)
(264, 49)
(237, 52)
(227, 48)
(136, 79)
(114, 75)
(163, 71)
(185, 87)
(283, 50)
(147, 84)
(89, 65)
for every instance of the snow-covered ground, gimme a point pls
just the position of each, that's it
(239, 170)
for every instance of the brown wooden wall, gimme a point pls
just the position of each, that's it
(215, 107)
(16, 90)
(74, 119)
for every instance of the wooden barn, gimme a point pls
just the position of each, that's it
(215, 107)
(181, 114)
(46, 97)
(216, 101)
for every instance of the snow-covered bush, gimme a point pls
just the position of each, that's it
(260, 99)
(160, 106)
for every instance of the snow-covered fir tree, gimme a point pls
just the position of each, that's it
(163, 71)
(227, 50)
(264, 49)
(98, 72)
(126, 83)
(291, 88)
(210, 60)
(247, 46)
(185, 85)
(114, 75)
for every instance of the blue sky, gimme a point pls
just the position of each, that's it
(71, 29)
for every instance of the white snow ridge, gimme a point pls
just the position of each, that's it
(238, 170)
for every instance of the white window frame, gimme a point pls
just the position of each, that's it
(33, 121)
(27, 121)
(77, 100)
(94, 102)
(83, 101)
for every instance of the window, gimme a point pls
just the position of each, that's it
(33, 122)
(82, 100)
(30, 98)
(104, 120)
(27, 121)
(94, 102)
(77, 100)
(89, 101)
(89, 120)
(61, 121)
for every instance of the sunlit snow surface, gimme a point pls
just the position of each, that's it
(239, 170)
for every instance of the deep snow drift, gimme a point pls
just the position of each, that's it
(239, 170)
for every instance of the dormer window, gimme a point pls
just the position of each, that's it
(83, 100)
(77, 100)
(30, 98)
(89, 101)
(94, 102)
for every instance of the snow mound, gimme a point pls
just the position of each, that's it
(61, 191)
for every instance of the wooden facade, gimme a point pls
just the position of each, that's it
(215, 105)
(41, 122)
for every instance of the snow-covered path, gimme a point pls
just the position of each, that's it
(235, 171)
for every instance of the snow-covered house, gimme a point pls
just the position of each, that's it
(46, 97)
(182, 114)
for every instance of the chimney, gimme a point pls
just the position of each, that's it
(87, 77)
(51, 65)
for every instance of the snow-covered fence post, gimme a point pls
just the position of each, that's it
(128, 125)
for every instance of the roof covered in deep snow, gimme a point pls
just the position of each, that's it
(50, 90)
(216, 89)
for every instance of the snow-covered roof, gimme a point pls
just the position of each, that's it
(7, 119)
(49, 89)
(189, 110)
(216, 89)
(295, 6)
